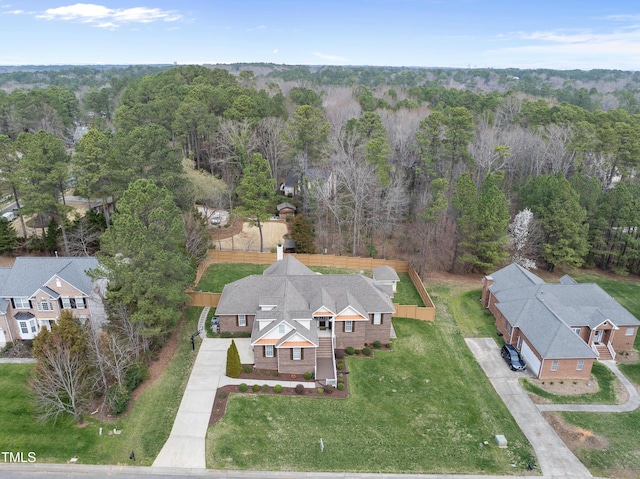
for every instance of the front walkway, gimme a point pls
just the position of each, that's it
(555, 459)
(631, 405)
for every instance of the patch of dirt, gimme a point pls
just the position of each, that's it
(222, 232)
(248, 238)
(627, 357)
(573, 436)
(223, 393)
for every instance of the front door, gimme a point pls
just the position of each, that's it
(324, 324)
(597, 337)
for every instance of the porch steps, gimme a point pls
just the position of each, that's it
(603, 352)
(325, 348)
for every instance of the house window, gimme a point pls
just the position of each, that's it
(80, 302)
(377, 318)
(281, 329)
(268, 351)
(576, 330)
(242, 320)
(580, 365)
(554, 365)
(297, 354)
(348, 326)
(45, 306)
(24, 328)
(21, 303)
(629, 331)
(66, 302)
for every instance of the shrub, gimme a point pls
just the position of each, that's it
(340, 386)
(340, 375)
(366, 351)
(358, 351)
(265, 388)
(349, 350)
(247, 368)
(136, 373)
(320, 390)
(307, 376)
(276, 374)
(243, 388)
(293, 376)
(118, 398)
(277, 389)
(223, 394)
(234, 366)
(339, 354)
(340, 365)
(388, 345)
(377, 344)
(328, 390)
(299, 389)
(255, 388)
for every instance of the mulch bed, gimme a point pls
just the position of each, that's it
(220, 402)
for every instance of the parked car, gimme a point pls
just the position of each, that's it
(512, 357)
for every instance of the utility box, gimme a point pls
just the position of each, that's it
(501, 441)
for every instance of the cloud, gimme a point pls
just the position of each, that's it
(332, 58)
(109, 18)
(275, 51)
(613, 48)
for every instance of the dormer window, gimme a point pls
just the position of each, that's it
(281, 329)
(267, 307)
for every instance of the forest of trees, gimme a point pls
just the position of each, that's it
(454, 170)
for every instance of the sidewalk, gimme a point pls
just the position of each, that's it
(18, 361)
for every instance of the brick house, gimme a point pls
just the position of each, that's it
(34, 291)
(297, 318)
(560, 329)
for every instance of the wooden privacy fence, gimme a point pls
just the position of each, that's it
(426, 312)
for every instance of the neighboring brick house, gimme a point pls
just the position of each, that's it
(297, 318)
(560, 329)
(34, 291)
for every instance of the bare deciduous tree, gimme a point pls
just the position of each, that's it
(61, 384)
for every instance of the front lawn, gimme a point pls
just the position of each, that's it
(424, 407)
(144, 429)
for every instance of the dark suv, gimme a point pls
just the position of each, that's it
(512, 357)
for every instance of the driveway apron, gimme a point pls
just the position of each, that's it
(555, 459)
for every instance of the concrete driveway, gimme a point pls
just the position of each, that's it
(555, 459)
(185, 446)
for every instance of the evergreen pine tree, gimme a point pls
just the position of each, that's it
(234, 366)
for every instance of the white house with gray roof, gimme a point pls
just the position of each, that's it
(560, 329)
(297, 318)
(35, 290)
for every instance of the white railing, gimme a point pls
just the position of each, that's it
(611, 351)
(595, 349)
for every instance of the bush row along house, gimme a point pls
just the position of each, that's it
(559, 329)
(297, 318)
(34, 291)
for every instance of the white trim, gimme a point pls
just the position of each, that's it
(268, 350)
(348, 326)
(554, 365)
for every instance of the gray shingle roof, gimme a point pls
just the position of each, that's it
(287, 266)
(545, 313)
(29, 274)
(385, 273)
(300, 293)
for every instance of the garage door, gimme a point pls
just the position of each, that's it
(533, 363)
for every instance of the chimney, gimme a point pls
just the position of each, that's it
(279, 252)
(487, 281)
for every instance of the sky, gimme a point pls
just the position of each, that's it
(560, 34)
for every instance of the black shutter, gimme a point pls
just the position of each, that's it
(301, 354)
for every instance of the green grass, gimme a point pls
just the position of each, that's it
(474, 320)
(606, 393)
(218, 275)
(424, 407)
(144, 429)
(406, 292)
